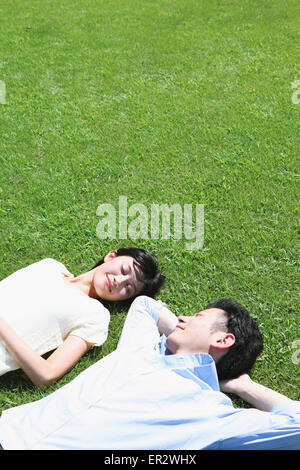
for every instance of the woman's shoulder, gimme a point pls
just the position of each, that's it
(96, 307)
(46, 267)
(43, 262)
(34, 271)
(51, 262)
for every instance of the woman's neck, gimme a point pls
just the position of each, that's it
(83, 282)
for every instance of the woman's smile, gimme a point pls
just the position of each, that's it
(108, 283)
(118, 278)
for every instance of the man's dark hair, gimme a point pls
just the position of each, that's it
(151, 276)
(242, 355)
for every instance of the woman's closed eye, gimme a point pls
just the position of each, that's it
(130, 286)
(124, 270)
(129, 289)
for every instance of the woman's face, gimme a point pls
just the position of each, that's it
(118, 278)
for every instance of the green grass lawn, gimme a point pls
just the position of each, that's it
(162, 101)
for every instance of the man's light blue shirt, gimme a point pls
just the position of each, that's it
(142, 397)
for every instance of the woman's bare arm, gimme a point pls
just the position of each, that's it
(43, 371)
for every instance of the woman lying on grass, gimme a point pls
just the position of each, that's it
(43, 308)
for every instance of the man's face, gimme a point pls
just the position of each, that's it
(195, 334)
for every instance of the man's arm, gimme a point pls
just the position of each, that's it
(146, 320)
(274, 426)
(259, 396)
(167, 321)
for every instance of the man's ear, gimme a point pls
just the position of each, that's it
(110, 255)
(223, 340)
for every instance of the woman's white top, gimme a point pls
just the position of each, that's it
(44, 309)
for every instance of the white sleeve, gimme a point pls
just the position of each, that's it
(95, 329)
(140, 328)
(261, 430)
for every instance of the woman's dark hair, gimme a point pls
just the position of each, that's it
(151, 276)
(242, 355)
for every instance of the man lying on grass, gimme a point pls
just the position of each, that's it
(160, 390)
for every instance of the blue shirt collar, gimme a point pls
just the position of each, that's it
(199, 367)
